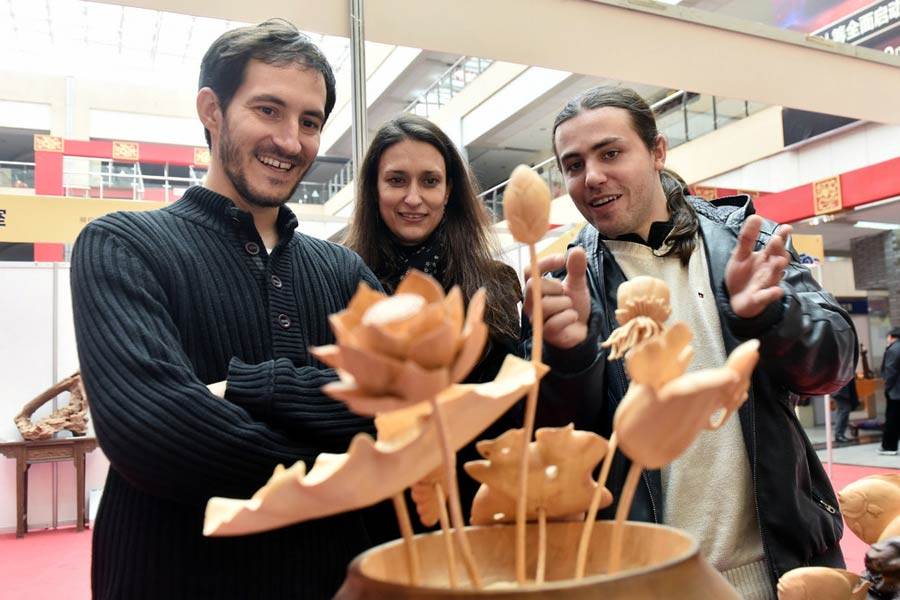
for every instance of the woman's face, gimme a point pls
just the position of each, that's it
(412, 190)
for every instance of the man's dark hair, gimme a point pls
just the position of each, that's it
(275, 42)
(894, 332)
(684, 220)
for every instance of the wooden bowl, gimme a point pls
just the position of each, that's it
(657, 562)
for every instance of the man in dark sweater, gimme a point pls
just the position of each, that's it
(194, 326)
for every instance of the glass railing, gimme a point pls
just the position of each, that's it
(90, 178)
(450, 83)
(685, 116)
(337, 182)
(549, 172)
(16, 174)
(681, 117)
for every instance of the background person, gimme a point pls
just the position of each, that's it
(846, 401)
(218, 295)
(418, 207)
(753, 493)
(890, 371)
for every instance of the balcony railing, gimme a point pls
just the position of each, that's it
(16, 174)
(685, 116)
(681, 117)
(549, 172)
(460, 74)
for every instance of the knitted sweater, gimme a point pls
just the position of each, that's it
(165, 303)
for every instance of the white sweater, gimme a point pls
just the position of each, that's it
(707, 491)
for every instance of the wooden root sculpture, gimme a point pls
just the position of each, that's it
(883, 568)
(72, 417)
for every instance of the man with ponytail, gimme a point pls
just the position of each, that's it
(753, 493)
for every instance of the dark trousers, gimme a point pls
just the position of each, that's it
(841, 417)
(891, 425)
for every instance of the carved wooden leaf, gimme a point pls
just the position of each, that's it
(662, 358)
(372, 471)
(561, 462)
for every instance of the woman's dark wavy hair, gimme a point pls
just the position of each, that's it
(274, 42)
(684, 220)
(465, 233)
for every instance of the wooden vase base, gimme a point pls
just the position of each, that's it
(657, 562)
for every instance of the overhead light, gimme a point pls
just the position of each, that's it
(876, 225)
(668, 1)
(820, 220)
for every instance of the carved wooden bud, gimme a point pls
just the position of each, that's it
(526, 204)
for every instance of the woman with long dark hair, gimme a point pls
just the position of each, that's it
(417, 207)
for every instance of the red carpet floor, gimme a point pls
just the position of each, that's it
(48, 564)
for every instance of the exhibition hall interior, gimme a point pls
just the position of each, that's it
(795, 103)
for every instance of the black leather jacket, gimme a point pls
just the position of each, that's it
(808, 347)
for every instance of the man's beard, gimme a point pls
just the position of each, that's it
(231, 160)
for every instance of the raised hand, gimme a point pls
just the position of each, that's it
(752, 278)
(566, 304)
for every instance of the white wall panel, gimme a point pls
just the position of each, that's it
(27, 316)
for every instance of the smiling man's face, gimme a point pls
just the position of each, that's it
(610, 174)
(268, 136)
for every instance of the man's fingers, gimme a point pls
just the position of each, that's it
(564, 330)
(777, 245)
(555, 304)
(576, 270)
(547, 264)
(747, 238)
(549, 288)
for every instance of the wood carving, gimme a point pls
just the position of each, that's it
(643, 307)
(371, 470)
(527, 201)
(821, 583)
(871, 507)
(428, 500)
(665, 408)
(659, 417)
(398, 350)
(560, 483)
(72, 417)
(883, 569)
(526, 205)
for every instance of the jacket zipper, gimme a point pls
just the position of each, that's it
(620, 372)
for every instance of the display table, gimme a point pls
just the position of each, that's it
(27, 453)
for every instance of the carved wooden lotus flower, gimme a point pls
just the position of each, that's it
(643, 308)
(821, 583)
(561, 462)
(526, 205)
(392, 351)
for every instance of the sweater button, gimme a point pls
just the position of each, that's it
(252, 248)
(284, 321)
(276, 281)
